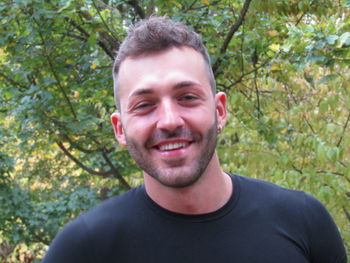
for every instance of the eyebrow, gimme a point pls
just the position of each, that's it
(180, 85)
(142, 91)
(184, 84)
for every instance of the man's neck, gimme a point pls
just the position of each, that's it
(212, 191)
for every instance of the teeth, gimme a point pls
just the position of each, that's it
(172, 146)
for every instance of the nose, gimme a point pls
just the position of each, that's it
(169, 117)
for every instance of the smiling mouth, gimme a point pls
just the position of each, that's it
(172, 146)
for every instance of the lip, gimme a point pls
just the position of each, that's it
(170, 141)
(172, 153)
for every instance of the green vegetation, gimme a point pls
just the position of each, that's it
(284, 64)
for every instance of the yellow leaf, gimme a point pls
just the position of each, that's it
(206, 2)
(179, 5)
(275, 67)
(274, 47)
(93, 66)
(272, 33)
(274, 115)
(105, 11)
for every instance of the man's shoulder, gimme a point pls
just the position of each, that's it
(107, 217)
(115, 208)
(95, 229)
(293, 213)
(285, 205)
(263, 186)
(270, 195)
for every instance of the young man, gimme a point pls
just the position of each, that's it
(188, 209)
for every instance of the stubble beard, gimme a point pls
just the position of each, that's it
(176, 175)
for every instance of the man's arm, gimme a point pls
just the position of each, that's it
(326, 245)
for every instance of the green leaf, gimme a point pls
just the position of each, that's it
(344, 39)
(331, 39)
(331, 128)
(328, 78)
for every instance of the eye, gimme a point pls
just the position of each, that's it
(188, 97)
(143, 105)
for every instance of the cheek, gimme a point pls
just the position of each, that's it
(201, 119)
(138, 130)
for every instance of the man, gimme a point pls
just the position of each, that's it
(188, 209)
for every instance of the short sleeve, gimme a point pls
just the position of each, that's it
(70, 245)
(326, 245)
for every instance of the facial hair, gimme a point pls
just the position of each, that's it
(176, 175)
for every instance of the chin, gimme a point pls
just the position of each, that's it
(177, 179)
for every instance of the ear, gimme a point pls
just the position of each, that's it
(118, 128)
(221, 111)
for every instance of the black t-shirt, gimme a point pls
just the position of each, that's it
(261, 222)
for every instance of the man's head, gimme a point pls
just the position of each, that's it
(168, 113)
(158, 34)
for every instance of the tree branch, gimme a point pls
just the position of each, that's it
(47, 56)
(310, 126)
(13, 82)
(242, 45)
(297, 169)
(84, 150)
(138, 9)
(192, 8)
(344, 129)
(104, 22)
(100, 148)
(115, 172)
(109, 37)
(347, 214)
(87, 35)
(246, 74)
(327, 172)
(255, 60)
(343, 164)
(257, 94)
(300, 18)
(81, 165)
(76, 36)
(230, 34)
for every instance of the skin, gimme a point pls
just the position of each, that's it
(169, 119)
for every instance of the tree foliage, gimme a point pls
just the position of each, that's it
(284, 65)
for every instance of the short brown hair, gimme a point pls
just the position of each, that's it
(158, 34)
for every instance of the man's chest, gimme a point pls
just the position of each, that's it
(204, 242)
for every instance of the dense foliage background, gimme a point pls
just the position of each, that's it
(283, 63)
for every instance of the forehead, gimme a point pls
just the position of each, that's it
(161, 69)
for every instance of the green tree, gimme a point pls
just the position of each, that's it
(284, 65)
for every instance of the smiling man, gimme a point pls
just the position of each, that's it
(188, 209)
(168, 117)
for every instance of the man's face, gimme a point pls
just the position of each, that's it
(169, 115)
